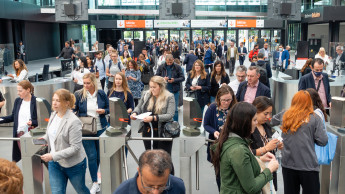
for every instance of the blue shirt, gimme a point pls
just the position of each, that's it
(100, 67)
(130, 186)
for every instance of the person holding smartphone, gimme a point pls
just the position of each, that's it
(215, 117)
(24, 115)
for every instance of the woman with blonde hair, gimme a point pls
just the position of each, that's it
(66, 154)
(161, 103)
(322, 55)
(121, 90)
(198, 84)
(92, 102)
(301, 130)
(21, 71)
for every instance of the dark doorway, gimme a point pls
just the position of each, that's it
(109, 36)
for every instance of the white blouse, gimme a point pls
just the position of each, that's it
(22, 76)
(52, 130)
(78, 75)
(325, 58)
(92, 106)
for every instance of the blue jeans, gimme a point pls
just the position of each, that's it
(58, 177)
(177, 97)
(92, 151)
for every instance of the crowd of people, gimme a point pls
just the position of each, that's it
(237, 117)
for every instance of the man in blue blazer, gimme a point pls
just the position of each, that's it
(252, 88)
(317, 80)
(242, 51)
(221, 50)
(189, 60)
(286, 57)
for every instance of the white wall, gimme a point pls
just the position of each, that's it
(321, 32)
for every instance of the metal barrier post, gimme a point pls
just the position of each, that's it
(32, 167)
(111, 160)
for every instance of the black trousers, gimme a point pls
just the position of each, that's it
(232, 65)
(102, 83)
(294, 179)
(241, 60)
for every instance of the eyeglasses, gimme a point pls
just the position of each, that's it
(225, 100)
(150, 189)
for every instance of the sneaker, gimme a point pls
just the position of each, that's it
(95, 188)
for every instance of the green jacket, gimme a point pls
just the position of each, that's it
(239, 170)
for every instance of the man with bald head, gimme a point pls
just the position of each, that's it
(173, 75)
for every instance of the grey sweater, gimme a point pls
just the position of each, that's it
(299, 148)
(167, 112)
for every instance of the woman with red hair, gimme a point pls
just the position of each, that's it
(301, 130)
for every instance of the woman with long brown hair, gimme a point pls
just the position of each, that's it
(21, 71)
(215, 117)
(239, 169)
(121, 90)
(307, 67)
(301, 130)
(198, 82)
(218, 78)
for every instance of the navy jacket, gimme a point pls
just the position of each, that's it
(215, 86)
(16, 155)
(102, 101)
(203, 94)
(244, 51)
(176, 73)
(211, 125)
(261, 91)
(189, 61)
(307, 81)
(219, 50)
(208, 57)
(130, 186)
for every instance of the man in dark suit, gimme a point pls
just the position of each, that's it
(221, 53)
(242, 52)
(189, 60)
(317, 80)
(252, 88)
(340, 57)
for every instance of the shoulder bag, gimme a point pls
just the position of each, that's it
(89, 125)
(171, 129)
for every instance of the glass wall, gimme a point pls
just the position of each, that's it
(219, 34)
(163, 34)
(174, 35)
(150, 35)
(266, 35)
(85, 34)
(231, 36)
(138, 35)
(275, 41)
(128, 35)
(294, 35)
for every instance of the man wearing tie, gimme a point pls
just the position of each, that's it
(242, 51)
(267, 53)
(221, 52)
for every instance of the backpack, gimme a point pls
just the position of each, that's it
(94, 62)
(118, 64)
(263, 73)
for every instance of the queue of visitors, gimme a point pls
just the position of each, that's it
(237, 117)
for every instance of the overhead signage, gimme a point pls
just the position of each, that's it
(134, 24)
(171, 23)
(313, 15)
(246, 23)
(209, 24)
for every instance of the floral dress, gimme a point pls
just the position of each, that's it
(135, 86)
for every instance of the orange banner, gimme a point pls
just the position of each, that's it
(134, 23)
(246, 23)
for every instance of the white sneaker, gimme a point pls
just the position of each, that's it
(95, 188)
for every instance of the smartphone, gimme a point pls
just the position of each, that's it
(39, 141)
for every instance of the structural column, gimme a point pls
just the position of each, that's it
(333, 31)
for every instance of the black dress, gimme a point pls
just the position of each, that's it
(215, 86)
(258, 142)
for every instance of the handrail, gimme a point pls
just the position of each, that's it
(149, 138)
(18, 139)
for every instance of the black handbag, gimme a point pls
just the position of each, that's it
(171, 130)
